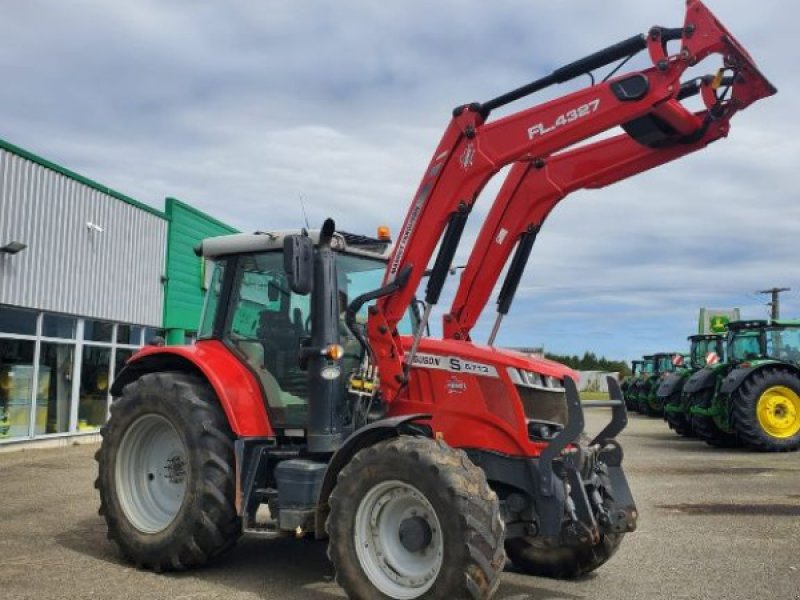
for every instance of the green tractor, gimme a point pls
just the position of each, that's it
(706, 349)
(642, 371)
(625, 386)
(753, 399)
(664, 363)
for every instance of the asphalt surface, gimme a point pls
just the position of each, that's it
(714, 524)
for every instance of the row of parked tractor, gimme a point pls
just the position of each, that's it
(740, 388)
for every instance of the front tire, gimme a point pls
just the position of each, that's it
(766, 410)
(166, 473)
(535, 557)
(677, 421)
(705, 428)
(413, 518)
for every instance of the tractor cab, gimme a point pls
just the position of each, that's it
(291, 334)
(707, 348)
(747, 341)
(783, 341)
(666, 362)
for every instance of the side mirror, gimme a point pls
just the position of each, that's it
(298, 262)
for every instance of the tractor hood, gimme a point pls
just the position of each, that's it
(458, 355)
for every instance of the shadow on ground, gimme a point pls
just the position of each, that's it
(281, 567)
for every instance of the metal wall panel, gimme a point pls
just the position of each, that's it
(72, 268)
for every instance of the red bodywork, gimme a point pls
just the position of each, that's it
(470, 409)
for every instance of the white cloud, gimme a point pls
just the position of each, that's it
(241, 107)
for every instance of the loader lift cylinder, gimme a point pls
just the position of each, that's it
(513, 278)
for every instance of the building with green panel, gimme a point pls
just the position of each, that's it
(88, 275)
(185, 280)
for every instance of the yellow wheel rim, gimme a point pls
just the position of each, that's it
(778, 411)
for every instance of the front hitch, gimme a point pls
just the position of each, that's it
(586, 484)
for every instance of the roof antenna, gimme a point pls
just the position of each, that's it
(303, 207)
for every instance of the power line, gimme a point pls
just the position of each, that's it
(775, 304)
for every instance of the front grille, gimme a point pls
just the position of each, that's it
(543, 404)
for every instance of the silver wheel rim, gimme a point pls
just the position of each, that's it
(390, 566)
(151, 473)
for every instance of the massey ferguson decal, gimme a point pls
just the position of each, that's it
(453, 364)
(455, 385)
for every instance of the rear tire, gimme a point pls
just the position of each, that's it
(394, 483)
(534, 557)
(766, 410)
(677, 421)
(705, 428)
(166, 473)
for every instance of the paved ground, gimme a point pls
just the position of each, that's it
(715, 524)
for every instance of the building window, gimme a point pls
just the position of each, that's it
(97, 331)
(58, 326)
(129, 334)
(55, 380)
(121, 357)
(95, 381)
(16, 387)
(18, 321)
(54, 393)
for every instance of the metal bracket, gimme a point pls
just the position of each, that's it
(619, 414)
(570, 433)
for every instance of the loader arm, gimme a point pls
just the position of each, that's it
(533, 188)
(471, 151)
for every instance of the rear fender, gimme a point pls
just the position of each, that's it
(736, 377)
(235, 385)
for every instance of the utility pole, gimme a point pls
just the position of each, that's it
(775, 304)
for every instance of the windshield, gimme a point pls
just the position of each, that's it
(744, 345)
(637, 369)
(700, 348)
(784, 344)
(665, 364)
(649, 366)
(359, 275)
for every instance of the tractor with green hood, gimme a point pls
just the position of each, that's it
(753, 399)
(664, 363)
(625, 386)
(706, 350)
(642, 372)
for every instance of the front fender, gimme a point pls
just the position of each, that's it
(671, 383)
(235, 385)
(736, 377)
(701, 380)
(362, 438)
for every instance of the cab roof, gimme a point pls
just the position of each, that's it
(262, 241)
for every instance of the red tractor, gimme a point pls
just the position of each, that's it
(313, 403)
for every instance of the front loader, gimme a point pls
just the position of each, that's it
(313, 404)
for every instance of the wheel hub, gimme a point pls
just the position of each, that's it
(415, 534)
(399, 540)
(778, 412)
(150, 473)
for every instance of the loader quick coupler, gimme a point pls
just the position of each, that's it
(586, 483)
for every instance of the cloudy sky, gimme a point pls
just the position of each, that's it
(240, 108)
